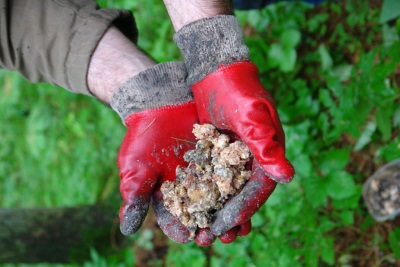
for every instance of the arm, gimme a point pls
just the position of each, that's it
(53, 41)
(91, 51)
(114, 61)
(183, 12)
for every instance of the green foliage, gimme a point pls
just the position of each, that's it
(185, 256)
(390, 10)
(283, 54)
(394, 242)
(333, 72)
(99, 261)
(333, 107)
(50, 152)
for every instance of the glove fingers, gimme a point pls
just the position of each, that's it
(239, 209)
(229, 236)
(232, 98)
(204, 237)
(131, 216)
(245, 228)
(169, 224)
(136, 188)
(266, 142)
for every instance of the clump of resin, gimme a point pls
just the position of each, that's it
(216, 172)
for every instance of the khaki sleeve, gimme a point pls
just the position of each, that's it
(53, 40)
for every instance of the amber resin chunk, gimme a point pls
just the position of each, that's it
(216, 172)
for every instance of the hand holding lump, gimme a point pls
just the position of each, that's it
(216, 172)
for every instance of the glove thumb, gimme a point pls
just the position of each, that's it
(131, 216)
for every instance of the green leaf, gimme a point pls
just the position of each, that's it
(258, 242)
(303, 166)
(323, 123)
(257, 220)
(326, 224)
(341, 185)
(347, 217)
(396, 117)
(327, 250)
(390, 35)
(285, 58)
(188, 256)
(325, 98)
(394, 242)
(315, 189)
(316, 21)
(390, 10)
(351, 202)
(383, 120)
(289, 60)
(255, 19)
(390, 151)
(311, 254)
(343, 72)
(290, 38)
(259, 52)
(275, 55)
(333, 160)
(366, 136)
(326, 59)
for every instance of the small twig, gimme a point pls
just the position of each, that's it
(148, 126)
(183, 140)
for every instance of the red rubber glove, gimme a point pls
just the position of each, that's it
(158, 109)
(152, 149)
(234, 100)
(149, 154)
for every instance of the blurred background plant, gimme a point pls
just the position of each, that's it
(334, 72)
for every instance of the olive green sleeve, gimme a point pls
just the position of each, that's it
(53, 40)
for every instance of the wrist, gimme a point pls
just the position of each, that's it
(162, 85)
(209, 43)
(115, 60)
(183, 12)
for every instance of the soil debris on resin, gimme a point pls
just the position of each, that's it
(216, 172)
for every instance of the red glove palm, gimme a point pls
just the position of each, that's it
(234, 100)
(149, 154)
(153, 147)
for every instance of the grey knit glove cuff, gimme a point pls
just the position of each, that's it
(162, 85)
(205, 44)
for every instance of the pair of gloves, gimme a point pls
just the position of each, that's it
(217, 84)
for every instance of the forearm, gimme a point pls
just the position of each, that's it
(115, 60)
(53, 41)
(183, 12)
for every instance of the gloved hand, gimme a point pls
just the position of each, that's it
(157, 109)
(228, 93)
(148, 156)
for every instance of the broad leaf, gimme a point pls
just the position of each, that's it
(315, 189)
(366, 136)
(341, 185)
(290, 38)
(327, 250)
(390, 10)
(326, 59)
(333, 160)
(383, 120)
(394, 242)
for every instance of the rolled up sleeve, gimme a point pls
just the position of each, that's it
(53, 41)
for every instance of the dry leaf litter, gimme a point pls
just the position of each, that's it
(216, 172)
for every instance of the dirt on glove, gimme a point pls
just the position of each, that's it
(216, 172)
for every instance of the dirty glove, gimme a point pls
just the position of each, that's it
(228, 93)
(157, 109)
